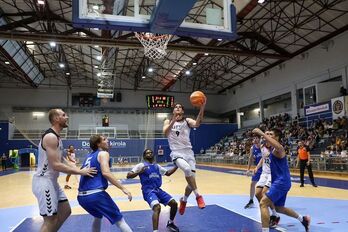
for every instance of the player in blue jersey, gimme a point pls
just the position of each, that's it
(254, 155)
(281, 182)
(92, 195)
(150, 174)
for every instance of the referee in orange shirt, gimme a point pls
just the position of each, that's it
(304, 159)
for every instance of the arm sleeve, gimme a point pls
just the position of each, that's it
(137, 167)
(162, 169)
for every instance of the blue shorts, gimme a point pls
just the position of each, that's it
(257, 175)
(157, 196)
(277, 196)
(100, 204)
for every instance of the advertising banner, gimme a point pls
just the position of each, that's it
(337, 105)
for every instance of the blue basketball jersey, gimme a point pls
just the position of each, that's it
(280, 172)
(151, 178)
(96, 182)
(257, 154)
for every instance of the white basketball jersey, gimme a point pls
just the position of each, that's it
(266, 168)
(43, 167)
(179, 136)
(72, 157)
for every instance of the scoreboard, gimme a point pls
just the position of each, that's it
(159, 101)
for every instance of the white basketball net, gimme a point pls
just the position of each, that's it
(154, 45)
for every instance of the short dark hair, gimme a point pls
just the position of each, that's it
(277, 133)
(178, 103)
(146, 151)
(94, 141)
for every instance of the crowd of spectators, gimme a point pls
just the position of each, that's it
(323, 138)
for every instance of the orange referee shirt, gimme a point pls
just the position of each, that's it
(303, 153)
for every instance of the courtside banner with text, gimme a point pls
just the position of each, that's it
(317, 108)
(337, 105)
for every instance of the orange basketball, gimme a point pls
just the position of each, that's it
(197, 98)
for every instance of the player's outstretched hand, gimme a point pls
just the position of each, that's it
(129, 195)
(248, 173)
(88, 171)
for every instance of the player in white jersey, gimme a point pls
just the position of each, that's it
(178, 132)
(71, 160)
(265, 180)
(53, 204)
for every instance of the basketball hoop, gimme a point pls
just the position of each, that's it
(154, 45)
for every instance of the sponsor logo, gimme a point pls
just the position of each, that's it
(337, 107)
(114, 144)
(317, 109)
(118, 144)
(85, 144)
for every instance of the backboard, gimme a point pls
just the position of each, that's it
(193, 18)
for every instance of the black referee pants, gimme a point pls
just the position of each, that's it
(303, 165)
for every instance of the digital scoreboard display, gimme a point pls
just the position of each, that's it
(159, 101)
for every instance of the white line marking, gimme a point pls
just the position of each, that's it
(278, 227)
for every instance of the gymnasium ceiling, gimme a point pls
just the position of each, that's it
(269, 34)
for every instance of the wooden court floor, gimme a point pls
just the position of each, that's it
(226, 187)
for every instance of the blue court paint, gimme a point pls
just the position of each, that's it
(213, 219)
(8, 172)
(325, 214)
(341, 184)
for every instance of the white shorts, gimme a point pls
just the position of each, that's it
(185, 154)
(264, 181)
(48, 194)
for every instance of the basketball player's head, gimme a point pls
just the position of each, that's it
(58, 117)
(256, 139)
(71, 148)
(276, 134)
(148, 155)
(178, 109)
(99, 142)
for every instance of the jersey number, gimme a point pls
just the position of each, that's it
(88, 162)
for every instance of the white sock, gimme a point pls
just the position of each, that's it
(155, 231)
(274, 212)
(300, 218)
(196, 192)
(124, 227)
(265, 229)
(185, 198)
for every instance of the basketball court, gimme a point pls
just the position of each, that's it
(225, 195)
(155, 46)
